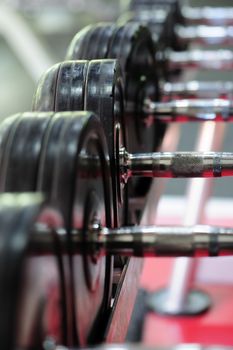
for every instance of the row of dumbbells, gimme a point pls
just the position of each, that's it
(96, 120)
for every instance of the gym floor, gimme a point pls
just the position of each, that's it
(55, 26)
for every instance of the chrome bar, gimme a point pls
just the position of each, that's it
(191, 110)
(176, 164)
(197, 88)
(208, 15)
(151, 241)
(207, 35)
(199, 59)
(170, 142)
(143, 241)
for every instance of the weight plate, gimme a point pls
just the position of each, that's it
(133, 46)
(44, 98)
(153, 4)
(61, 88)
(7, 130)
(24, 152)
(102, 31)
(92, 203)
(17, 215)
(167, 13)
(93, 42)
(71, 181)
(80, 44)
(42, 317)
(104, 96)
(70, 86)
(97, 86)
(22, 155)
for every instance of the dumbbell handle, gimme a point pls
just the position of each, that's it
(199, 59)
(202, 34)
(208, 15)
(191, 110)
(197, 88)
(176, 164)
(143, 241)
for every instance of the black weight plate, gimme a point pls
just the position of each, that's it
(80, 44)
(104, 96)
(24, 152)
(154, 18)
(44, 99)
(17, 215)
(92, 202)
(41, 306)
(61, 88)
(70, 86)
(93, 42)
(7, 130)
(96, 86)
(103, 31)
(152, 4)
(170, 14)
(133, 46)
(44, 184)
(70, 187)
(47, 165)
(100, 48)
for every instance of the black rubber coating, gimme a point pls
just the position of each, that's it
(74, 164)
(132, 45)
(44, 99)
(17, 215)
(21, 155)
(94, 86)
(24, 152)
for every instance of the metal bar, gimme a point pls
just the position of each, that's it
(145, 241)
(191, 110)
(208, 15)
(170, 143)
(199, 59)
(197, 88)
(207, 35)
(177, 164)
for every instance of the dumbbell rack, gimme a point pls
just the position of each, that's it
(85, 219)
(210, 138)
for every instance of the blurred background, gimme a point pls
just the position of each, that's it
(34, 34)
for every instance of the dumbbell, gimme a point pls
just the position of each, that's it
(95, 85)
(33, 266)
(170, 52)
(92, 90)
(167, 18)
(98, 38)
(194, 89)
(43, 243)
(41, 152)
(188, 14)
